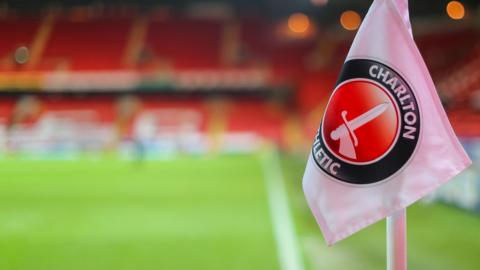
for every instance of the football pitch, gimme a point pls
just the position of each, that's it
(205, 212)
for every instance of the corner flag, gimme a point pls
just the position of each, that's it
(384, 140)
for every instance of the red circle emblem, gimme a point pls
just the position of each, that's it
(361, 122)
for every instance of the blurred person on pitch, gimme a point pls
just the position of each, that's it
(127, 130)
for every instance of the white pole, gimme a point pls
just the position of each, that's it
(397, 241)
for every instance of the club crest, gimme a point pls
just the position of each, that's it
(371, 125)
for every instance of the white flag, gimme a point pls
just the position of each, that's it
(384, 140)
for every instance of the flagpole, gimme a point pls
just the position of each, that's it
(397, 222)
(397, 241)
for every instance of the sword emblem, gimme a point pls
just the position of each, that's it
(346, 131)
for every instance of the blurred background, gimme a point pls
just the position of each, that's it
(173, 134)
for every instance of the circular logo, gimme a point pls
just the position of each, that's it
(371, 125)
(377, 128)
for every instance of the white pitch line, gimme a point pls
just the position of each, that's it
(284, 229)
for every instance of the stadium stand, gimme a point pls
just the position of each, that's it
(135, 54)
(86, 45)
(20, 32)
(172, 40)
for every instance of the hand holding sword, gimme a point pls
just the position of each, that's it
(346, 131)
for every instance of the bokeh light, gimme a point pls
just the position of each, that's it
(22, 55)
(298, 23)
(350, 20)
(455, 10)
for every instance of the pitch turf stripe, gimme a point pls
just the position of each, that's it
(284, 229)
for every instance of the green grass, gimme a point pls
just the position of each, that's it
(440, 237)
(184, 214)
(192, 213)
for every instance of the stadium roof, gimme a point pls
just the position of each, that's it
(325, 12)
